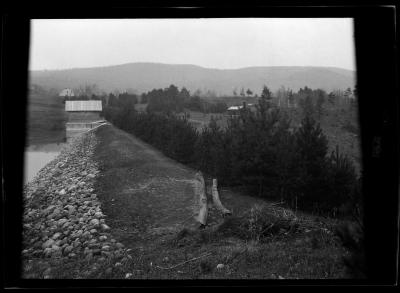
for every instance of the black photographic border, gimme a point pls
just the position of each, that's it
(377, 81)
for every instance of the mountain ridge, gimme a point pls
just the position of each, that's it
(145, 76)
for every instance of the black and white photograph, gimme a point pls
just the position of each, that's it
(200, 148)
(191, 149)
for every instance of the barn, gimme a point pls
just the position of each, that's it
(82, 116)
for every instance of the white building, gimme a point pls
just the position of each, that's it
(67, 93)
(82, 116)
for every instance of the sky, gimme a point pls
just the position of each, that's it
(212, 43)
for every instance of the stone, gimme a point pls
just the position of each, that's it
(119, 245)
(94, 222)
(38, 245)
(47, 251)
(55, 247)
(106, 253)
(71, 209)
(72, 187)
(220, 266)
(62, 221)
(105, 247)
(62, 192)
(103, 238)
(89, 256)
(68, 249)
(48, 244)
(56, 236)
(63, 241)
(93, 231)
(105, 227)
(99, 215)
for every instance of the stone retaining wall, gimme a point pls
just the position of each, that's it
(62, 214)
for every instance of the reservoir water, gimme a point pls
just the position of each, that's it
(36, 157)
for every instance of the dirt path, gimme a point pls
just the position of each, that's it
(144, 194)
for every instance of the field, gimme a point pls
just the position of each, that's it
(45, 120)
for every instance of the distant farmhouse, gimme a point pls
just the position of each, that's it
(66, 93)
(234, 110)
(82, 116)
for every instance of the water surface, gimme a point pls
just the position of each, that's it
(37, 156)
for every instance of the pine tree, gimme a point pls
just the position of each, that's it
(312, 146)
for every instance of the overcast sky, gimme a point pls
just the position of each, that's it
(213, 43)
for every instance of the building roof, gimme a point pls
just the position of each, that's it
(235, 108)
(91, 105)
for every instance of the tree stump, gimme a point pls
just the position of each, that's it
(217, 201)
(200, 191)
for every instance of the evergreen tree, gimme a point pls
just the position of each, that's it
(307, 106)
(112, 100)
(320, 102)
(343, 180)
(242, 92)
(312, 146)
(332, 98)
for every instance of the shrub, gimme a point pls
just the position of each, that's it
(260, 222)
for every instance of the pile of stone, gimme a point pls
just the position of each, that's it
(62, 214)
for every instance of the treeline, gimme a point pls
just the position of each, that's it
(172, 99)
(258, 150)
(168, 100)
(315, 102)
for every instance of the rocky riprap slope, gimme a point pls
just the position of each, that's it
(62, 217)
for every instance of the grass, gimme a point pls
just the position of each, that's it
(248, 247)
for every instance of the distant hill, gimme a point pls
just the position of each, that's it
(147, 76)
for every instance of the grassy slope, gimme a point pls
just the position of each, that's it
(147, 219)
(46, 119)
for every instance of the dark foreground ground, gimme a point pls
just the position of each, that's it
(149, 204)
